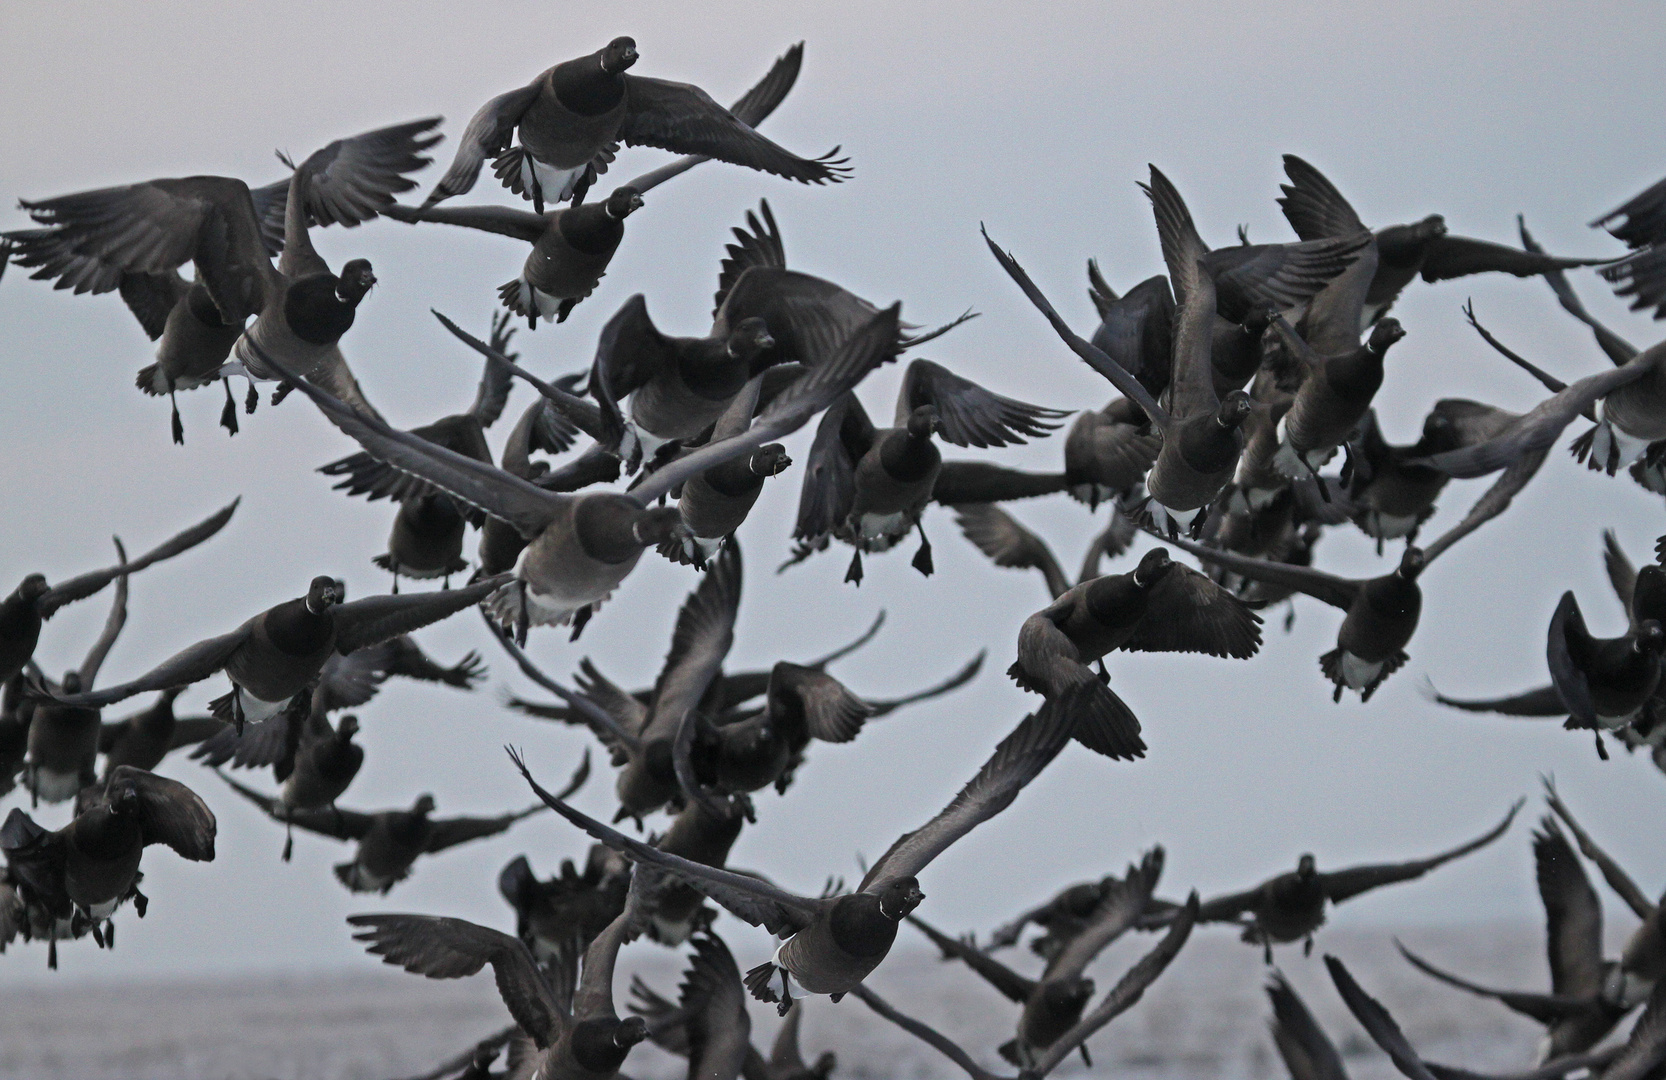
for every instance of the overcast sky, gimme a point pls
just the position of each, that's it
(1034, 119)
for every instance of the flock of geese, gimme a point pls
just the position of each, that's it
(1242, 373)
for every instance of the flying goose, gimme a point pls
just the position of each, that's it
(1317, 210)
(868, 486)
(708, 1024)
(833, 943)
(145, 231)
(1007, 543)
(1640, 1056)
(581, 547)
(274, 660)
(560, 917)
(1577, 1013)
(569, 1029)
(571, 118)
(1053, 1004)
(1118, 1000)
(78, 875)
(571, 248)
(1160, 606)
(33, 601)
(1383, 611)
(391, 841)
(1291, 906)
(63, 740)
(427, 537)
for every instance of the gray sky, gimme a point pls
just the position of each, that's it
(1035, 119)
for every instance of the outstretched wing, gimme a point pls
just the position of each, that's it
(329, 821)
(170, 812)
(1119, 909)
(85, 585)
(1315, 210)
(376, 619)
(1335, 591)
(759, 903)
(685, 120)
(1187, 612)
(443, 948)
(1307, 1051)
(487, 135)
(1376, 1021)
(1018, 759)
(1342, 885)
(190, 665)
(971, 415)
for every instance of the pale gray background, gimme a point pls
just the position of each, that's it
(1036, 119)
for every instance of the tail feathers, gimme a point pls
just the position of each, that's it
(151, 381)
(1103, 722)
(516, 296)
(510, 169)
(223, 708)
(758, 982)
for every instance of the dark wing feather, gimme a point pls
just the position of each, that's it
(449, 832)
(1642, 278)
(1376, 1021)
(1573, 915)
(1459, 256)
(865, 349)
(831, 712)
(329, 821)
(351, 180)
(1335, 591)
(1307, 1051)
(1128, 989)
(752, 109)
(1617, 878)
(151, 297)
(171, 813)
(487, 135)
(113, 624)
(521, 225)
(1618, 348)
(1538, 428)
(1621, 574)
(377, 618)
(748, 898)
(1343, 885)
(503, 495)
(971, 415)
(1187, 612)
(1570, 683)
(629, 352)
(1118, 376)
(685, 120)
(1541, 701)
(187, 666)
(704, 632)
(442, 948)
(1545, 1008)
(1011, 985)
(1315, 210)
(1119, 909)
(256, 746)
(1018, 759)
(1283, 275)
(154, 228)
(966, 674)
(1492, 503)
(758, 244)
(965, 482)
(85, 585)
(1007, 543)
(496, 381)
(828, 491)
